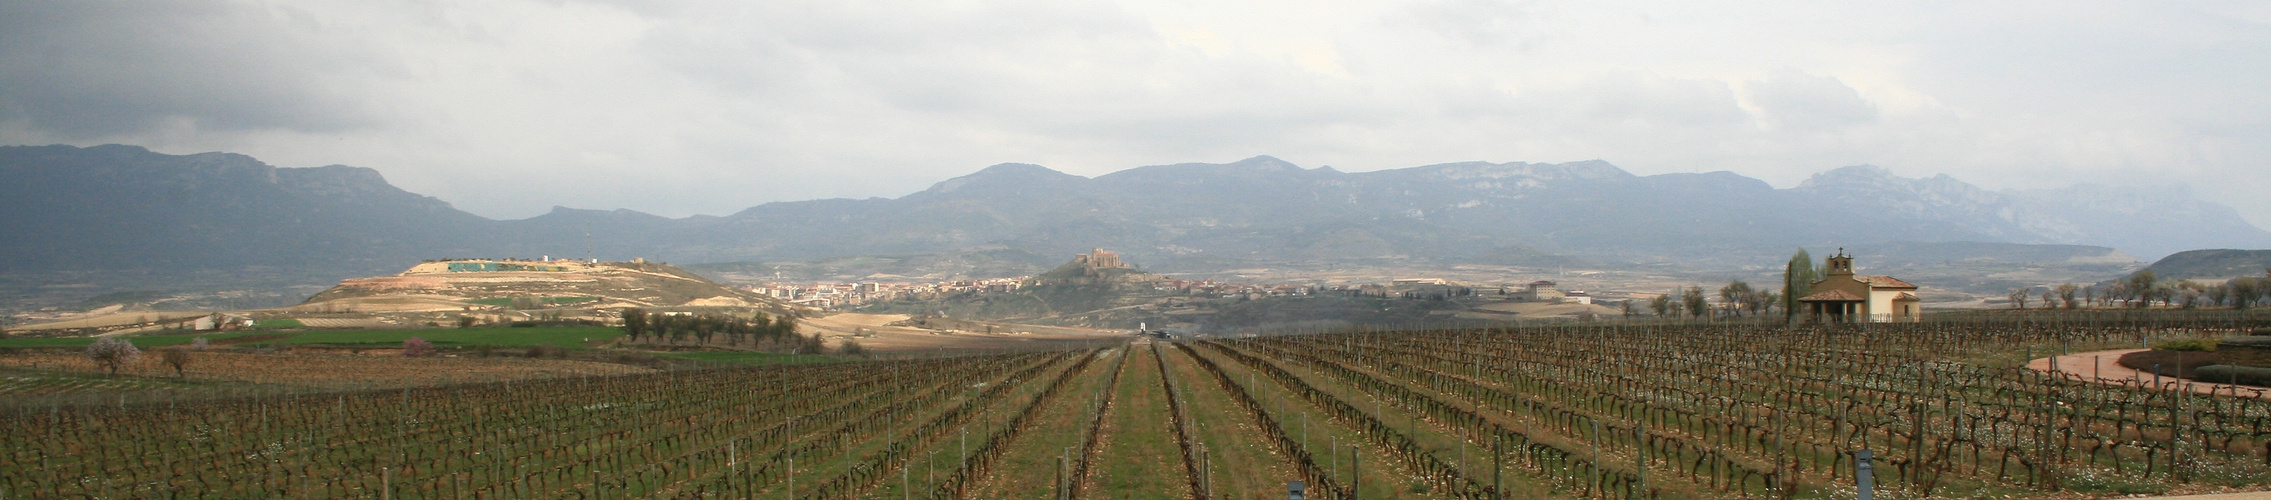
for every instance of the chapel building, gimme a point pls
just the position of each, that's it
(1845, 297)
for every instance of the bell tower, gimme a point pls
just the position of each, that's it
(1841, 264)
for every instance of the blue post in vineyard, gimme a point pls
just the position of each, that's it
(1864, 476)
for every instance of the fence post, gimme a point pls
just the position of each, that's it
(1864, 476)
(1497, 464)
(1640, 455)
(1355, 480)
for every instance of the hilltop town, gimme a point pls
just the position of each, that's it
(1099, 289)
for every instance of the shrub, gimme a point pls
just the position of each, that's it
(198, 344)
(546, 351)
(417, 347)
(812, 344)
(2227, 374)
(852, 348)
(2194, 345)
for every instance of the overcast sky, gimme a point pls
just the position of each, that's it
(506, 108)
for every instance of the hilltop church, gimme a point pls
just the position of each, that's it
(1095, 267)
(1844, 297)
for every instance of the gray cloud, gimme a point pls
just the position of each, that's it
(1492, 24)
(1794, 101)
(701, 106)
(88, 69)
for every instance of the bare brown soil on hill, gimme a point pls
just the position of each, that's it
(430, 287)
(876, 332)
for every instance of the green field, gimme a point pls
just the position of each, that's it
(572, 337)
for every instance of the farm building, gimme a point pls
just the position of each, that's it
(219, 321)
(1540, 291)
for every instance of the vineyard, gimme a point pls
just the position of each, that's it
(1571, 411)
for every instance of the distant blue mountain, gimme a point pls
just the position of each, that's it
(105, 207)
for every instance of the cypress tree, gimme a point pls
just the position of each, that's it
(1797, 276)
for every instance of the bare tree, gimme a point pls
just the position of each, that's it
(176, 357)
(2019, 298)
(417, 347)
(2145, 285)
(112, 352)
(2066, 295)
(1736, 297)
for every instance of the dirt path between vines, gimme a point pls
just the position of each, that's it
(2103, 367)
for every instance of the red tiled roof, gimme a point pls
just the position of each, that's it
(1830, 296)
(1884, 282)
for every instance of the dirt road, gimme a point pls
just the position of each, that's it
(2103, 367)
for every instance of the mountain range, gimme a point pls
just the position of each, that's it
(125, 207)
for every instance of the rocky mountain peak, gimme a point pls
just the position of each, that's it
(1853, 176)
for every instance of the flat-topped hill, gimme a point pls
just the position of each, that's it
(457, 284)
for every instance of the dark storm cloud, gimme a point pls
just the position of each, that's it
(103, 68)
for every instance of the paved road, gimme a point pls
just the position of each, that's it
(2101, 366)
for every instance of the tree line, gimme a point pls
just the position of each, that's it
(2146, 289)
(1736, 299)
(778, 332)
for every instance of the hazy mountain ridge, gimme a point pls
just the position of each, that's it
(123, 206)
(111, 206)
(2215, 264)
